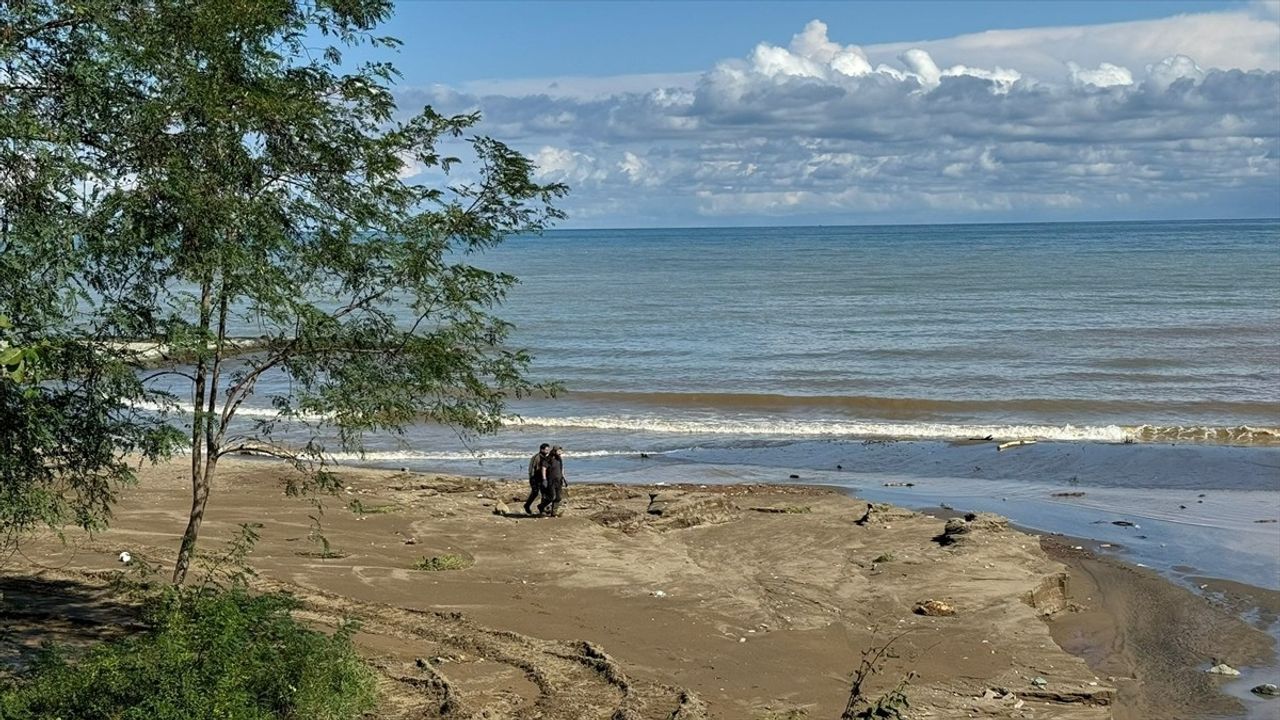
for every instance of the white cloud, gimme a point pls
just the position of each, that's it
(1235, 39)
(563, 165)
(1171, 69)
(1003, 124)
(637, 170)
(1105, 75)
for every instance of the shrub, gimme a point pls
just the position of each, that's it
(209, 653)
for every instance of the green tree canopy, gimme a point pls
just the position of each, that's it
(211, 164)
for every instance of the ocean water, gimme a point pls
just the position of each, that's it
(1143, 358)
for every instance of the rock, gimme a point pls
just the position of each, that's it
(1039, 682)
(794, 476)
(410, 541)
(958, 530)
(1266, 690)
(934, 608)
(656, 506)
(1224, 669)
(658, 594)
(500, 508)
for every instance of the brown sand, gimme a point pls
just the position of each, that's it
(736, 602)
(1154, 640)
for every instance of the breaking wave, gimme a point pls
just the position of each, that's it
(408, 455)
(1242, 435)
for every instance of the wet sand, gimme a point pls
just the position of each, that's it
(735, 602)
(1154, 640)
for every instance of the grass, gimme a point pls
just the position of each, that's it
(207, 654)
(448, 561)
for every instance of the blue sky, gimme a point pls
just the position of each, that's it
(451, 42)
(772, 113)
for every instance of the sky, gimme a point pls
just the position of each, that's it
(798, 113)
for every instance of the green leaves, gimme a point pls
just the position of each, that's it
(208, 653)
(195, 174)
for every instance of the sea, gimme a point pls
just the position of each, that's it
(1143, 358)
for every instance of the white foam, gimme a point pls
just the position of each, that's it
(396, 455)
(242, 411)
(813, 428)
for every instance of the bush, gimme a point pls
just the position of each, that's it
(209, 653)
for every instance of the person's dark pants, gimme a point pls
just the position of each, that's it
(552, 496)
(535, 489)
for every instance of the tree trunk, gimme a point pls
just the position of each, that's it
(201, 464)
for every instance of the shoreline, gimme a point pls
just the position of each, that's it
(721, 598)
(1156, 637)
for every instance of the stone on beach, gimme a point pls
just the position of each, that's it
(934, 608)
(958, 530)
(1223, 669)
(1266, 690)
(656, 506)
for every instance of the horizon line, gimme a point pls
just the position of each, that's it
(908, 224)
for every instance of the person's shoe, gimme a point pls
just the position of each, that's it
(528, 510)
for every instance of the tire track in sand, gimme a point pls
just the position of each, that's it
(575, 680)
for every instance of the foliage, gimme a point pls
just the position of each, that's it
(213, 649)
(67, 425)
(205, 169)
(211, 652)
(448, 561)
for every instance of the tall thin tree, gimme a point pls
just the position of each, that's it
(246, 182)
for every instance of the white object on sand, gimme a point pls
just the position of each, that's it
(125, 557)
(1014, 443)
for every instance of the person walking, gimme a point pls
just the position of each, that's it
(554, 482)
(536, 477)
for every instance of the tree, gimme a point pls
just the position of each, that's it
(70, 422)
(242, 180)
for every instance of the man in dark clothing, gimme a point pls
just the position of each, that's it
(553, 482)
(535, 477)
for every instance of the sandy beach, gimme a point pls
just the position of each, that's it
(736, 601)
